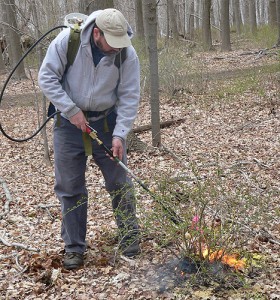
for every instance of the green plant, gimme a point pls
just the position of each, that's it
(217, 219)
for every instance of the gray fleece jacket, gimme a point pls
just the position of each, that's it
(89, 88)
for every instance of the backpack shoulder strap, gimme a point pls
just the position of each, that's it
(73, 44)
(120, 58)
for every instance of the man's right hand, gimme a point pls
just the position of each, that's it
(79, 120)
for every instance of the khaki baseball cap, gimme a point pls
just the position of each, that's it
(113, 24)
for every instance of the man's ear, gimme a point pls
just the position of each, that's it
(96, 33)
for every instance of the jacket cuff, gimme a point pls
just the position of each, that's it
(72, 112)
(118, 137)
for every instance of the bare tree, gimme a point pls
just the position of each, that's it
(2, 64)
(150, 26)
(253, 18)
(278, 21)
(237, 15)
(272, 13)
(225, 26)
(206, 26)
(190, 31)
(139, 19)
(12, 36)
(172, 19)
(245, 11)
(88, 6)
(2, 49)
(44, 100)
(198, 9)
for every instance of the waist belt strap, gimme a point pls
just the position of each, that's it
(87, 144)
(95, 114)
(87, 140)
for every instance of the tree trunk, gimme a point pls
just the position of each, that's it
(237, 16)
(167, 24)
(253, 18)
(272, 13)
(2, 64)
(150, 25)
(225, 26)
(139, 19)
(191, 20)
(262, 14)
(206, 26)
(2, 44)
(197, 9)
(89, 6)
(246, 14)
(172, 20)
(13, 39)
(44, 100)
(278, 21)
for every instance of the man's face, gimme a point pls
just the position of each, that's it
(101, 43)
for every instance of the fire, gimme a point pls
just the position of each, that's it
(227, 259)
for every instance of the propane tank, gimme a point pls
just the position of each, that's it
(75, 18)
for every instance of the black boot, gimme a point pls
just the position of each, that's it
(73, 260)
(130, 245)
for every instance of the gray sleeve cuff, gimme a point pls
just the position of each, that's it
(118, 137)
(72, 112)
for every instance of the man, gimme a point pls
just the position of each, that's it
(95, 91)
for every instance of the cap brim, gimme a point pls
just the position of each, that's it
(120, 41)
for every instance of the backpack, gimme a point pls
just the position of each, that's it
(73, 46)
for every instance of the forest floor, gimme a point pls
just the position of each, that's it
(231, 126)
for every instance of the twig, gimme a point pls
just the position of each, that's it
(3, 257)
(21, 269)
(8, 198)
(46, 206)
(17, 245)
(177, 158)
(260, 163)
(271, 239)
(15, 29)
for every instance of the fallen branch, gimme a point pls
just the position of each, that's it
(46, 206)
(264, 52)
(8, 198)
(20, 268)
(3, 257)
(17, 245)
(162, 125)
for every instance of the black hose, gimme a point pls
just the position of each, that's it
(8, 79)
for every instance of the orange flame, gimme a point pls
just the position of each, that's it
(227, 259)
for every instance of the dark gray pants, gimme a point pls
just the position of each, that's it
(70, 185)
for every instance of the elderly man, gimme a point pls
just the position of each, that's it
(94, 90)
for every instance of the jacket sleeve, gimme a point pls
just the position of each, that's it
(51, 74)
(128, 93)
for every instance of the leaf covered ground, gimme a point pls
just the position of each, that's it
(231, 126)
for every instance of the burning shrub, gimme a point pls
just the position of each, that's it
(216, 221)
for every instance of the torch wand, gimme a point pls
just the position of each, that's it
(171, 213)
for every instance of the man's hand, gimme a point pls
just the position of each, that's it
(79, 120)
(117, 147)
